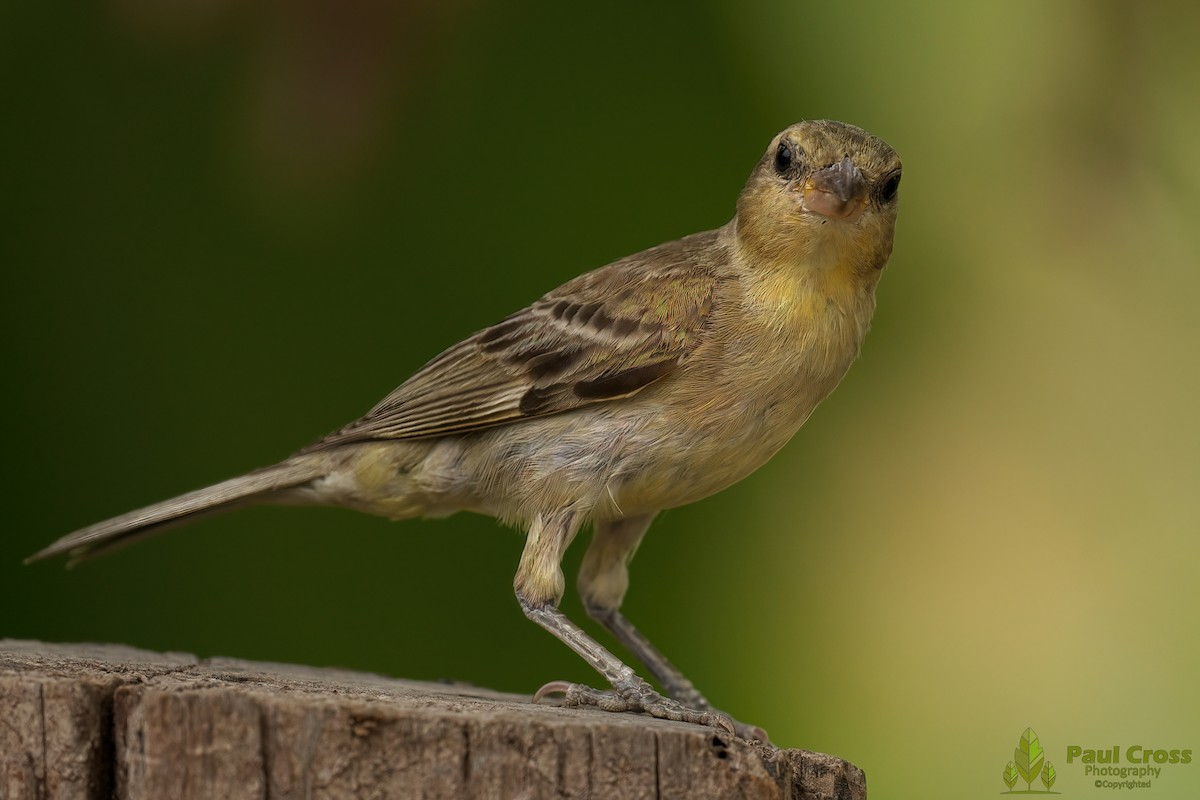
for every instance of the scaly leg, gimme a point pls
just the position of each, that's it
(603, 580)
(539, 587)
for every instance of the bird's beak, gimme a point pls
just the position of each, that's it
(838, 191)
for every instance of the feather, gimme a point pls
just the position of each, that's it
(604, 336)
(105, 536)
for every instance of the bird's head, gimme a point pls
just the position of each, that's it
(824, 195)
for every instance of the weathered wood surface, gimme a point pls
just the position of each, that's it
(104, 721)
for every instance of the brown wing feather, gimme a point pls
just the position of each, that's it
(602, 336)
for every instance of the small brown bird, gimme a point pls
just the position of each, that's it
(647, 384)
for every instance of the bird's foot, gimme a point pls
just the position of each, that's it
(751, 733)
(635, 695)
(690, 698)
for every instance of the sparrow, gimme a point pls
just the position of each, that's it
(647, 384)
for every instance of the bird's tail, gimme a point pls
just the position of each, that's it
(262, 485)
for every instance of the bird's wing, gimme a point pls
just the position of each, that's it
(602, 336)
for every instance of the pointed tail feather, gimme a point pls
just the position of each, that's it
(253, 487)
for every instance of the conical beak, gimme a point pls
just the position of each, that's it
(839, 191)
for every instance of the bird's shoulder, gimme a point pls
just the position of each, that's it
(602, 336)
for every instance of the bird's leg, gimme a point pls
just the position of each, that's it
(539, 586)
(678, 687)
(666, 673)
(629, 692)
(603, 580)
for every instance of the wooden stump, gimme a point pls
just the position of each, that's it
(104, 721)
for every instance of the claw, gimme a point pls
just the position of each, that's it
(551, 688)
(639, 697)
(753, 733)
(636, 696)
(724, 722)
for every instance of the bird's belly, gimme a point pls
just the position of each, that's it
(621, 459)
(692, 467)
(702, 454)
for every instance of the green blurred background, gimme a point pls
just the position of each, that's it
(229, 228)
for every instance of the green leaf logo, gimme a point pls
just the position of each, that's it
(1029, 763)
(1048, 776)
(1010, 775)
(1029, 757)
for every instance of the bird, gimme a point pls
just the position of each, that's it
(644, 385)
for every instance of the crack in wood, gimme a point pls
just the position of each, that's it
(138, 725)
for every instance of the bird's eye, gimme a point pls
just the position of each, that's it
(784, 158)
(887, 191)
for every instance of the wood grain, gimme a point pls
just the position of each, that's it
(105, 721)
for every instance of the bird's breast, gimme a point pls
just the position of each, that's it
(740, 399)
